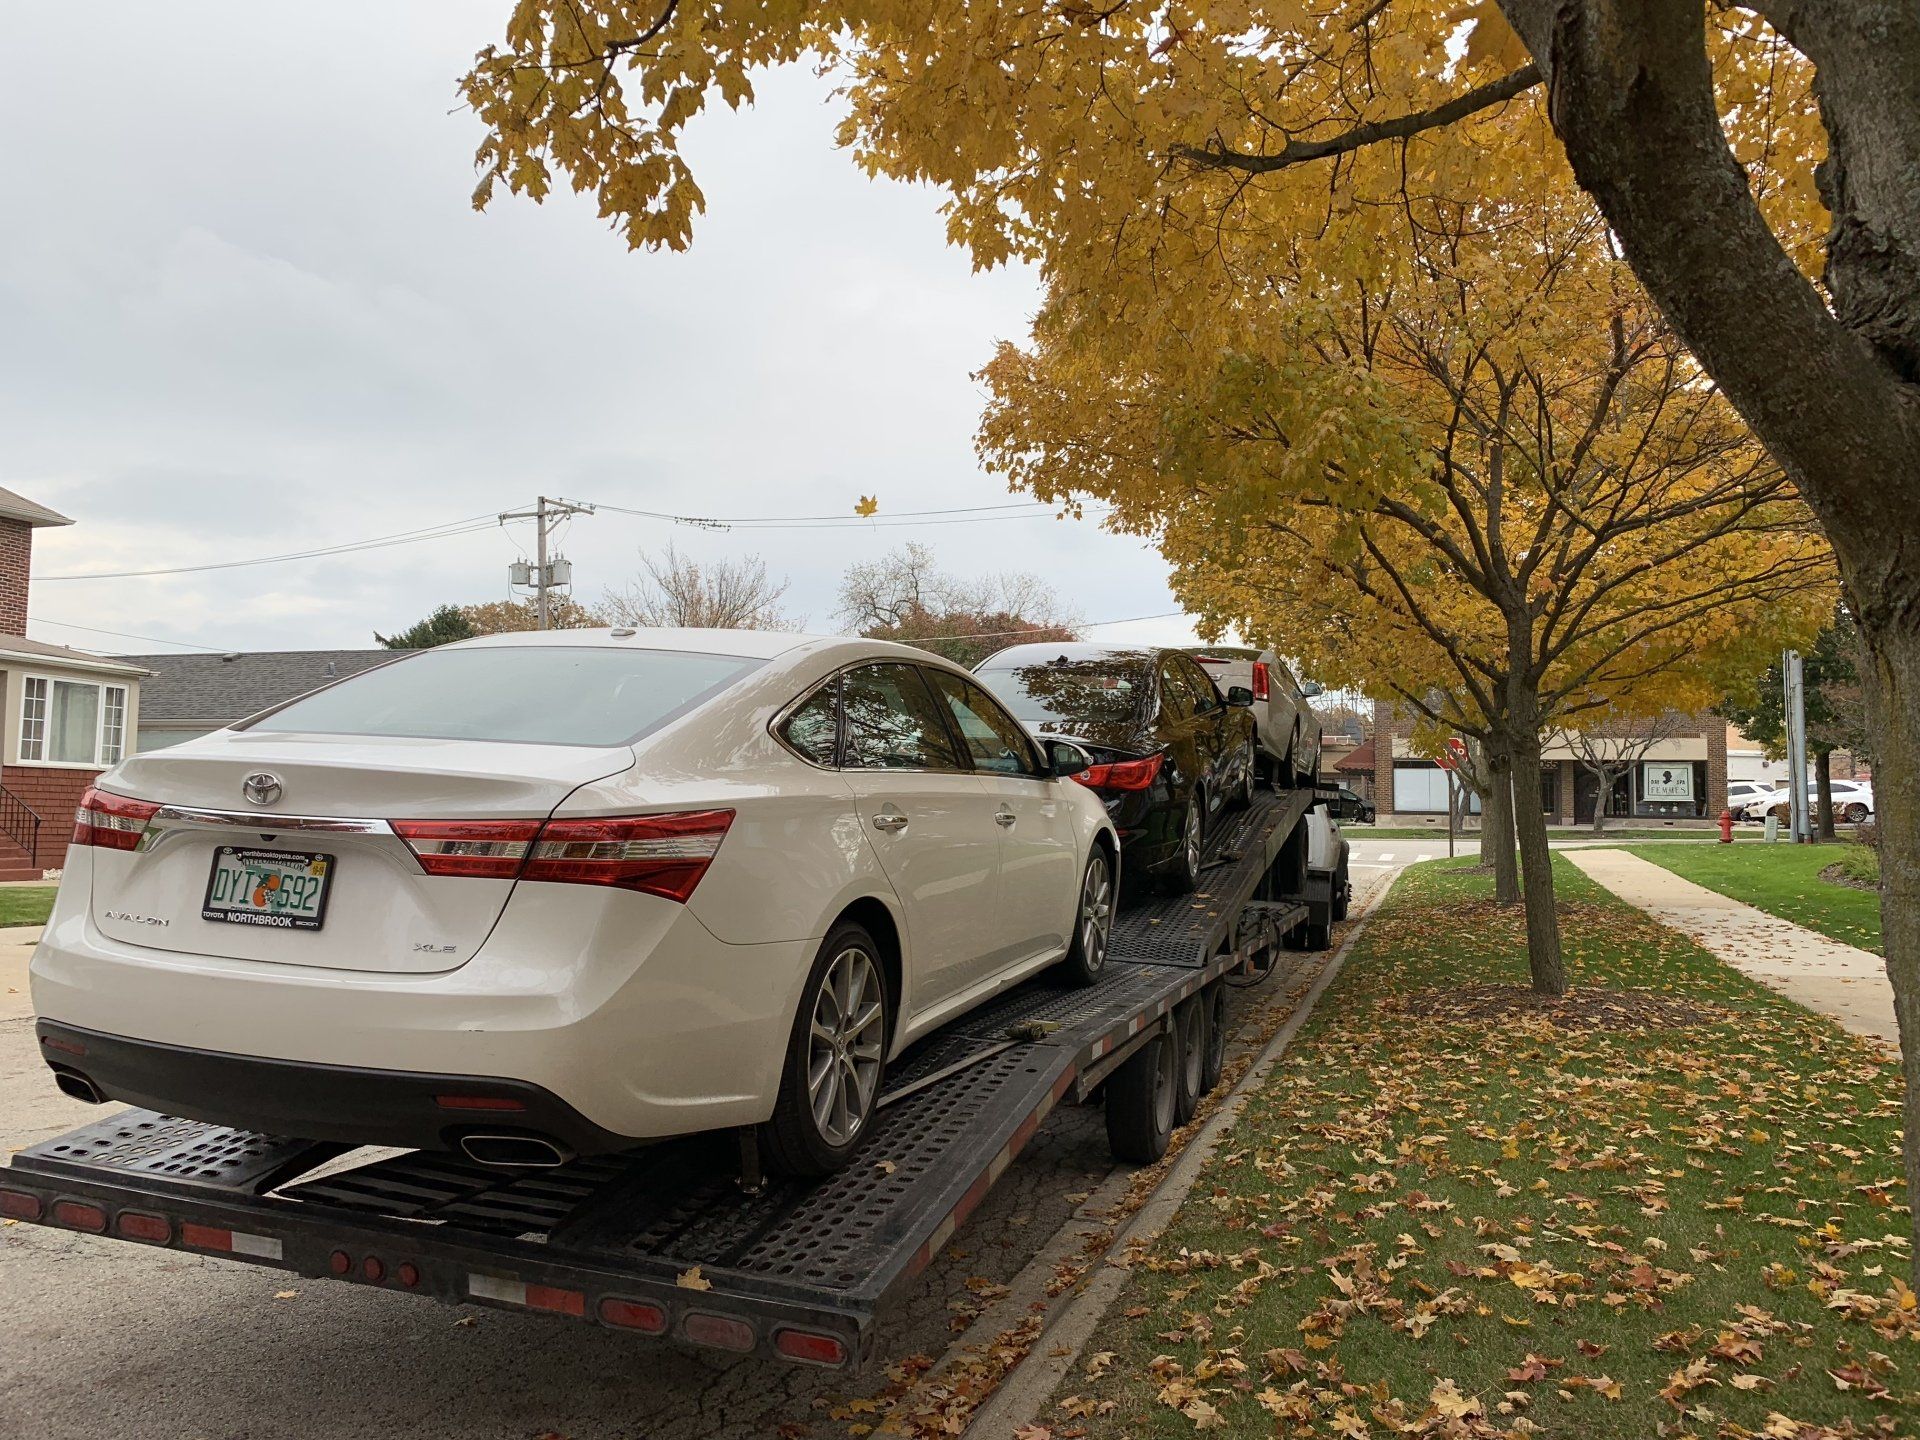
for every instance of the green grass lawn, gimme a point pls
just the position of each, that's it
(1427, 1222)
(1557, 832)
(1783, 880)
(25, 904)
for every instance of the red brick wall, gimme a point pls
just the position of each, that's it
(16, 558)
(53, 795)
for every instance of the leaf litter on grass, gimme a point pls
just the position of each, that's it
(1672, 1208)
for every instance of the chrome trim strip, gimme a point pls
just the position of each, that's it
(265, 821)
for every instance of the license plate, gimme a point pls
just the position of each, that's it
(281, 889)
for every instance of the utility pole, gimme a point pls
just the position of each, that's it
(1794, 679)
(546, 572)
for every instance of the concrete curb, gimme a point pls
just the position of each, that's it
(1028, 1386)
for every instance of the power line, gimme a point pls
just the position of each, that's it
(445, 531)
(1090, 625)
(957, 515)
(124, 635)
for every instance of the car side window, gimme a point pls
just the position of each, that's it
(814, 729)
(994, 739)
(1206, 695)
(1175, 699)
(893, 722)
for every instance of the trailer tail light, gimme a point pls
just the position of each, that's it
(111, 822)
(1262, 681)
(154, 1229)
(810, 1348)
(78, 1215)
(722, 1332)
(484, 849)
(659, 854)
(634, 1315)
(1123, 774)
(18, 1205)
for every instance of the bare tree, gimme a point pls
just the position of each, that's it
(904, 596)
(1611, 747)
(677, 590)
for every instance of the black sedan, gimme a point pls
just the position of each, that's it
(1170, 752)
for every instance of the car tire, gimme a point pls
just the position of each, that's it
(1189, 1029)
(1215, 1062)
(1140, 1102)
(1856, 813)
(1181, 875)
(818, 1123)
(1342, 893)
(1092, 921)
(1243, 797)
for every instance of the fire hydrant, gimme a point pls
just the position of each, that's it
(1726, 827)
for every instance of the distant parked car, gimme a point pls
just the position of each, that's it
(1742, 793)
(1170, 751)
(1852, 801)
(1347, 805)
(1288, 730)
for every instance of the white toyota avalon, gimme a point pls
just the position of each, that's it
(537, 895)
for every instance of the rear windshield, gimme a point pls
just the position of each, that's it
(522, 694)
(1059, 694)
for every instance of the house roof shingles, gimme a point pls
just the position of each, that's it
(17, 507)
(1359, 762)
(219, 689)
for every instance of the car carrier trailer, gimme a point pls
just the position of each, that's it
(680, 1240)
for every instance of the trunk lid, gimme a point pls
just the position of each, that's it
(379, 910)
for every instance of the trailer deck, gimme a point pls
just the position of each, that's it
(666, 1240)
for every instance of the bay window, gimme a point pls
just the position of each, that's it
(71, 722)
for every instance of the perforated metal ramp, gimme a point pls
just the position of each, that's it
(828, 1254)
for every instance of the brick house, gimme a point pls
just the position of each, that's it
(65, 715)
(1681, 777)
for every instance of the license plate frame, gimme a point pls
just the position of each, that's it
(269, 919)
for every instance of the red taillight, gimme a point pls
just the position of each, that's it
(156, 1229)
(1123, 774)
(478, 1102)
(18, 1205)
(488, 849)
(78, 1215)
(634, 1315)
(659, 854)
(112, 822)
(1261, 682)
(810, 1347)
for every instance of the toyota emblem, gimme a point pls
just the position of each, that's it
(262, 787)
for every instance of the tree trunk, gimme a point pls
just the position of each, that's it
(1536, 868)
(1603, 783)
(1496, 824)
(1823, 788)
(1893, 685)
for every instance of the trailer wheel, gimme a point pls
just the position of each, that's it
(1214, 1000)
(1316, 935)
(1190, 1030)
(1140, 1102)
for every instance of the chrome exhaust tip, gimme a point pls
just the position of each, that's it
(514, 1152)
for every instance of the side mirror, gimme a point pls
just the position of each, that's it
(1068, 759)
(1310, 688)
(1239, 696)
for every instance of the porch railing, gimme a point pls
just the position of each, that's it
(20, 823)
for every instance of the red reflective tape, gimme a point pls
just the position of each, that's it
(556, 1300)
(205, 1237)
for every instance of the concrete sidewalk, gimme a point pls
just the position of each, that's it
(1843, 981)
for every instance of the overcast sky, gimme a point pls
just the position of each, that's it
(245, 308)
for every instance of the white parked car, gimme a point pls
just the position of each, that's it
(1285, 724)
(1742, 793)
(535, 895)
(1852, 801)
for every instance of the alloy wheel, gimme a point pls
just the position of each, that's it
(1190, 841)
(847, 1045)
(1096, 912)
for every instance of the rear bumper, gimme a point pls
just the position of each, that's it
(627, 1016)
(316, 1102)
